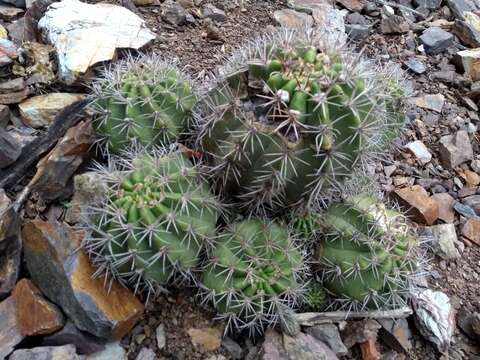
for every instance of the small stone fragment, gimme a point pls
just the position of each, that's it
(173, 13)
(444, 239)
(445, 206)
(66, 352)
(308, 6)
(330, 336)
(160, 336)
(326, 17)
(369, 350)
(146, 354)
(4, 115)
(455, 149)
(396, 333)
(415, 65)
(209, 338)
(14, 97)
(10, 149)
(304, 346)
(436, 40)
(420, 151)
(352, 5)
(8, 52)
(235, 350)
(459, 7)
(39, 111)
(469, 61)
(292, 19)
(394, 24)
(35, 314)
(431, 102)
(357, 32)
(428, 4)
(471, 230)
(9, 13)
(468, 30)
(417, 203)
(214, 13)
(13, 85)
(9, 332)
(113, 351)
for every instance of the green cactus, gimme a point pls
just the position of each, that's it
(254, 274)
(155, 220)
(144, 100)
(315, 297)
(291, 116)
(368, 255)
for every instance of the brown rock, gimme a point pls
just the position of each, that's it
(418, 204)
(10, 86)
(455, 149)
(445, 206)
(208, 338)
(469, 62)
(9, 332)
(292, 19)
(10, 149)
(35, 315)
(471, 178)
(471, 230)
(352, 5)
(9, 12)
(65, 275)
(13, 98)
(369, 350)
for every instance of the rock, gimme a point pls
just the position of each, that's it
(306, 347)
(444, 239)
(471, 230)
(455, 149)
(211, 12)
(113, 351)
(39, 111)
(445, 206)
(160, 336)
(472, 179)
(14, 98)
(8, 13)
(146, 354)
(8, 52)
(436, 40)
(459, 7)
(420, 151)
(10, 334)
(307, 6)
(235, 350)
(415, 65)
(468, 31)
(272, 347)
(352, 5)
(292, 19)
(448, 76)
(431, 102)
(173, 13)
(428, 4)
(35, 314)
(209, 338)
(40, 68)
(469, 322)
(330, 336)
(3, 32)
(10, 86)
(66, 352)
(396, 334)
(86, 34)
(327, 17)
(10, 149)
(369, 350)
(394, 24)
(357, 19)
(466, 210)
(4, 115)
(475, 165)
(69, 334)
(417, 203)
(55, 169)
(65, 275)
(469, 63)
(357, 32)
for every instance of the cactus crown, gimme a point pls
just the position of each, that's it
(254, 271)
(291, 114)
(367, 254)
(156, 218)
(146, 100)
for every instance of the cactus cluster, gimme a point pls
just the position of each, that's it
(367, 254)
(291, 116)
(254, 271)
(145, 100)
(156, 218)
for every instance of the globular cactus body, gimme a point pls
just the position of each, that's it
(156, 218)
(145, 100)
(292, 115)
(254, 273)
(367, 254)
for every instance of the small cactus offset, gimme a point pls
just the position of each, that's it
(145, 100)
(156, 218)
(292, 115)
(367, 254)
(254, 275)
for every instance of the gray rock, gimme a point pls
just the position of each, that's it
(357, 32)
(211, 12)
(458, 7)
(16, 3)
(428, 4)
(468, 31)
(69, 334)
(415, 65)
(8, 13)
(10, 334)
(357, 19)
(472, 201)
(160, 336)
(292, 19)
(394, 24)
(4, 115)
(465, 210)
(433, 102)
(173, 13)
(329, 334)
(146, 354)
(436, 40)
(10, 149)
(306, 347)
(66, 352)
(8, 51)
(331, 19)
(446, 76)
(113, 351)
(455, 149)
(475, 165)
(307, 6)
(396, 334)
(235, 350)
(444, 239)
(13, 85)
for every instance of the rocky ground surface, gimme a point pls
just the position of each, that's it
(51, 308)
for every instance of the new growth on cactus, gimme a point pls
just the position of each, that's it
(155, 219)
(146, 100)
(254, 274)
(292, 114)
(367, 254)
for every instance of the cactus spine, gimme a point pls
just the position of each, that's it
(253, 274)
(292, 115)
(145, 100)
(156, 218)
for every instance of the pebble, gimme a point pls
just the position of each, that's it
(211, 12)
(433, 102)
(444, 239)
(235, 350)
(436, 40)
(160, 336)
(394, 24)
(420, 151)
(415, 65)
(455, 149)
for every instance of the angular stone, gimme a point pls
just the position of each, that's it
(327, 17)
(160, 336)
(146, 354)
(292, 19)
(10, 149)
(330, 336)
(444, 240)
(233, 348)
(473, 201)
(306, 347)
(471, 230)
(420, 151)
(9, 332)
(436, 40)
(4, 115)
(352, 5)
(35, 314)
(209, 338)
(308, 5)
(14, 97)
(39, 111)
(65, 275)
(430, 102)
(173, 13)
(415, 65)
(369, 350)
(471, 178)
(357, 19)
(69, 334)
(8, 52)
(113, 351)
(468, 31)
(455, 149)
(214, 13)
(396, 334)
(428, 4)
(459, 7)
(445, 206)
(418, 205)
(8, 13)
(394, 24)
(13, 85)
(66, 352)
(272, 347)
(357, 32)
(469, 62)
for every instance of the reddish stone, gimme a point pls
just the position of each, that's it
(445, 206)
(418, 205)
(369, 350)
(35, 315)
(471, 230)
